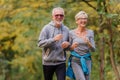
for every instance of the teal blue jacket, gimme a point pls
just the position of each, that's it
(83, 59)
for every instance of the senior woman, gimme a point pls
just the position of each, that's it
(82, 43)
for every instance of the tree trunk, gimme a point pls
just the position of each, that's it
(112, 51)
(102, 59)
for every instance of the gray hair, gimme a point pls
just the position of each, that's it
(57, 8)
(79, 14)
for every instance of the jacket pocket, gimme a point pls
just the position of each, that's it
(47, 52)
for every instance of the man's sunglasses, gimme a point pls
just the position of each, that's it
(61, 15)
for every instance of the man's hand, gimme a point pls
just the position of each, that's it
(65, 44)
(58, 37)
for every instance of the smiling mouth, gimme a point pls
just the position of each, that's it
(58, 22)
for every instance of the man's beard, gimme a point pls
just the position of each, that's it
(58, 22)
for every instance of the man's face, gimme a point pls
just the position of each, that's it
(58, 16)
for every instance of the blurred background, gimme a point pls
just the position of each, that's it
(22, 20)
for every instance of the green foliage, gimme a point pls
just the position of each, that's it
(21, 22)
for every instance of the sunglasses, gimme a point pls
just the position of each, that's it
(61, 15)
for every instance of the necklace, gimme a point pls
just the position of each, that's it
(81, 33)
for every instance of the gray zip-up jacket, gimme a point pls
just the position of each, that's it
(52, 52)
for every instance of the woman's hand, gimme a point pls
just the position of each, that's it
(74, 45)
(87, 41)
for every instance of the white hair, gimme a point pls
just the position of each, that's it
(79, 14)
(57, 8)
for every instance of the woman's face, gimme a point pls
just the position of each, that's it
(82, 21)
